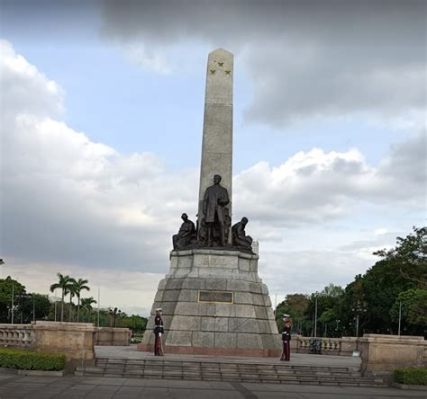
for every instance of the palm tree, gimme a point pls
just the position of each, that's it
(87, 304)
(63, 283)
(71, 291)
(79, 285)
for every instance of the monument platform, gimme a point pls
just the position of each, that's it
(214, 303)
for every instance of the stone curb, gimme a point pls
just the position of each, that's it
(40, 373)
(409, 387)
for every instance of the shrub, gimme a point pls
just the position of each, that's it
(411, 375)
(28, 360)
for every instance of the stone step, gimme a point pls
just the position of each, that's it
(210, 370)
(237, 377)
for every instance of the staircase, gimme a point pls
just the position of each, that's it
(230, 371)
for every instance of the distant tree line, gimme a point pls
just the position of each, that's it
(18, 306)
(396, 284)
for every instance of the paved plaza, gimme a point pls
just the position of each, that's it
(32, 387)
(12, 386)
(297, 359)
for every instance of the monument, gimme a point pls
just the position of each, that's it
(213, 300)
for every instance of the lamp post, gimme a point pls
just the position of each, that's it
(12, 319)
(34, 308)
(315, 317)
(99, 304)
(358, 309)
(400, 317)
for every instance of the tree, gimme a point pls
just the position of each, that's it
(71, 291)
(410, 254)
(135, 322)
(33, 307)
(413, 304)
(295, 305)
(8, 288)
(329, 316)
(64, 284)
(372, 298)
(328, 302)
(79, 285)
(114, 314)
(332, 291)
(86, 305)
(400, 269)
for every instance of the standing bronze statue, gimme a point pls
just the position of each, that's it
(186, 233)
(240, 239)
(214, 210)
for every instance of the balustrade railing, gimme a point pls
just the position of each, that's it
(327, 346)
(16, 335)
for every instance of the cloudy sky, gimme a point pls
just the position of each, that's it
(101, 128)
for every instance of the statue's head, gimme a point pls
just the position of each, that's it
(217, 179)
(184, 217)
(245, 220)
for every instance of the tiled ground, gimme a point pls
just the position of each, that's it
(12, 386)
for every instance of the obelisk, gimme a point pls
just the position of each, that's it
(217, 146)
(213, 300)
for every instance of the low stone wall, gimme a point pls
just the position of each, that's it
(382, 353)
(109, 336)
(16, 335)
(75, 340)
(348, 346)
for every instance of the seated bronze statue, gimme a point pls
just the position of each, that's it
(240, 239)
(186, 234)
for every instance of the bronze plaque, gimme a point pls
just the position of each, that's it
(216, 296)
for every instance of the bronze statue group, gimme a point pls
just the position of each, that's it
(213, 226)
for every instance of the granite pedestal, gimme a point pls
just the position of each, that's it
(214, 303)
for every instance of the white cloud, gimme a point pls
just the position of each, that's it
(154, 61)
(65, 196)
(24, 87)
(380, 231)
(315, 186)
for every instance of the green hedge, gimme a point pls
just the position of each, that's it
(28, 360)
(411, 375)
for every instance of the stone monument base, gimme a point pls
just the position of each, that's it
(214, 303)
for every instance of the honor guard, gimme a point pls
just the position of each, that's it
(158, 332)
(286, 338)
